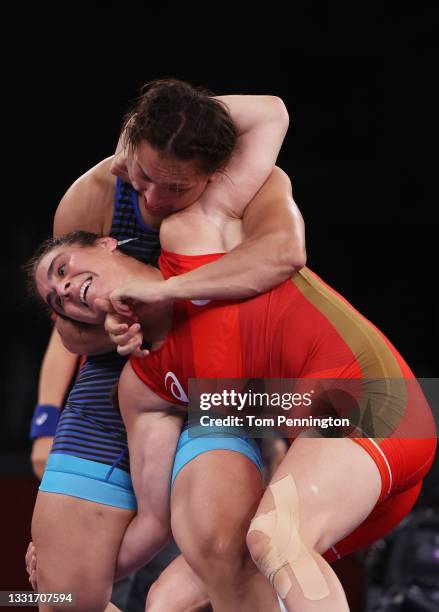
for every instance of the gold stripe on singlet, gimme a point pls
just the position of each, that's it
(386, 394)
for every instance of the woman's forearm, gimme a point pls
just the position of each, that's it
(139, 545)
(273, 249)
(57, 369)
(248, 111)
(250, 269)
(86, 340)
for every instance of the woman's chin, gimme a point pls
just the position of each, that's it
(95, 316)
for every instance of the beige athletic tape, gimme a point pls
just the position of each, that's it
(285, 547)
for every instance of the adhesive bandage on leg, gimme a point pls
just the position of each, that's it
(285, 547)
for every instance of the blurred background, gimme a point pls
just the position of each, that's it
(361, 151)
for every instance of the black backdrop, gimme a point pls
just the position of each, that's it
(361, 150)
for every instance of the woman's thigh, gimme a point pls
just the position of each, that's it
(77, 542)
(213, 500)
(330, 485)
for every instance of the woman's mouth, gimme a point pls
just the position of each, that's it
(83, 291)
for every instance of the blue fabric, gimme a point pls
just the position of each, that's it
(90, 428)
(132, 195)
(89, 480)
(109, 485)
(198, 441)
(44, 421)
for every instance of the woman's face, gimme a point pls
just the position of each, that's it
(70, 278)
(166, 185)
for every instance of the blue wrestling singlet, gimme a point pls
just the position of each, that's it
(89, 457)
(89, 428)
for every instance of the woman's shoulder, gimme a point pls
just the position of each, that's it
(88, 203)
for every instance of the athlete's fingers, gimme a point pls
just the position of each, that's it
(30, 552)
(130, 333)
(117, 330)
(104, 305)
(33, 580)
(132, 347)
(119, 168)
(120, 161)
(128, 341)
(114, 327)
(140, 353)
(120, 307)
(115, 307)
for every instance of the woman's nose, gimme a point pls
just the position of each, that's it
(64, 287)
(151, 194)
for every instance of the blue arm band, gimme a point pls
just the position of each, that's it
(44, 421)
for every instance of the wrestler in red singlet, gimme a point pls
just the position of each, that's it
(304, 329)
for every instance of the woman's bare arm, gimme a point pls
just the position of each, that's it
(57, 369)
(272, 250)
(153, 428)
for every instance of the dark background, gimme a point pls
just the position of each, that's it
(360, 86)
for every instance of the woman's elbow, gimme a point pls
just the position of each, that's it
(298, 259)
(292, 256)
(286, 259)
(278, 111)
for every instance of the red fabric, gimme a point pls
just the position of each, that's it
(282, 334)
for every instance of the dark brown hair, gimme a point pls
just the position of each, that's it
(184, 122)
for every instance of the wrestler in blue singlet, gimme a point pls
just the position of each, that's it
(90, 442)
(89, 457)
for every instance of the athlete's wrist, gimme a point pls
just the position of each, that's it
(44, 421)
(171, 289)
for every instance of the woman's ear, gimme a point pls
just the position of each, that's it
(107, 243)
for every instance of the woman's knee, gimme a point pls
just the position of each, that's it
(216, 546)
(213, 533)
(274, 541)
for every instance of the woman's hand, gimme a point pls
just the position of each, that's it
(139, 291)
(125, 332)
(121, 323)
(40, 452)
(31, 565)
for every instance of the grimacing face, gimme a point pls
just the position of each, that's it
(70, 278)
(166, 185)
